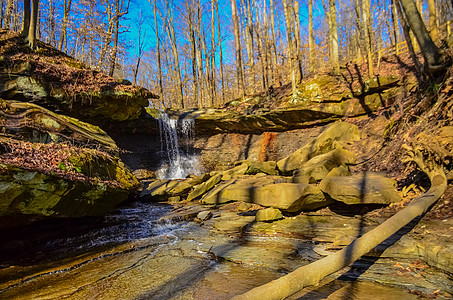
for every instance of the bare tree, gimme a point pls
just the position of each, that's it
(121, 9)
(433, 59)
(238, 51)
(311, 38)
(291, 52)
(63, 38)
(29, 23)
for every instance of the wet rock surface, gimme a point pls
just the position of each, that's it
(182, 259)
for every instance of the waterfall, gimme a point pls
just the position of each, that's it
(179, 162)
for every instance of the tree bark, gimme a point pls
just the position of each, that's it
(238, 50)
(174, 47)
(115, 38)
(193, 49)
(407, 35)
(432, 19)
(291, 53)
(311, 274)
(396, 31)
(222, 79)
(333, 37)
(159, 59)
(8, 13)
(119, 13)
(311, 38)
(52, 22)
(430, 52)
(298, 40)
(67, 9)
(26, 20)
(141, 44)
(213, 51)
(366, 21)
(201, 77)
(275, 73)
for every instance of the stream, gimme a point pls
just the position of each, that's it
(134, 253)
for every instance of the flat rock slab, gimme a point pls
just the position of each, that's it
(363, 188)
(268, 215)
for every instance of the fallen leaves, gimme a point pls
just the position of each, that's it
(51, 159)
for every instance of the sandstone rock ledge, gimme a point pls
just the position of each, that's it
(55, 165)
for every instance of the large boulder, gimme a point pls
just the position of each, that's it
(37, 194)
(204, 187)
(289, 197)
(363, 188)
(59, 180)
(319, 166)
(266, 167)
(162, 189)
(325, 142)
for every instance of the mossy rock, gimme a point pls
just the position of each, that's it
(324, 143)
(363, 188)
(39, 125)
(33, 193)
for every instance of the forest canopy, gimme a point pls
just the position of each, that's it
(200, 53)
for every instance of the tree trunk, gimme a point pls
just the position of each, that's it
(67, 9)
(291, 54)
(108, 34)
(52, 22)
(407, 35)
(311, 38)
(366, 21)
(213, 51)
(174, 47)
(29, 22)
(222, 79)
(261, 55)
(311, 274)
(201, 77)
(358, 10)
(396, 31)
(432, 19)
(115, 38)
(266, 50)
(298, 40)
(333, 37)
(238, 50)
(275, 73)
(141, 42)
(430, 52)
(159, 59)
(249, 43)
(26, 20)
(193, 49)
(8, 13)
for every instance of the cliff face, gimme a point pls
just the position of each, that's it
(62, 84)
(55, 165)
(52, 162)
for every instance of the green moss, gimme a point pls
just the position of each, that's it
(76, 64)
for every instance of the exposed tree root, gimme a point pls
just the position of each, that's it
(313, 273)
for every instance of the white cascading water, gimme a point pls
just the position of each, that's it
(180, 163)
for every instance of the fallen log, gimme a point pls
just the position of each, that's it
(313, 273)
